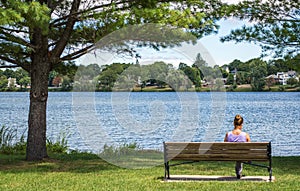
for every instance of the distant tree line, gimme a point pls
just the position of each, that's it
(124, 76)
(62, 77)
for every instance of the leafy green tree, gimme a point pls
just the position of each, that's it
(109, 75)
(51, 77)
(195, 77)
(129, 78)
(224, 72)
(258, 74)
(274, 25)
(243, 77)
(157, 73)
(235, 65)
(86, 76)
(91, 70)
(293, 62)
(292, 81)
(230, 79)
(41, 35)
(20, 74)
(9, 73)
(177, 80)
(217, 71)
(24, 82)
(67, 70)
(3, 82)
(201, 65)
(270, 82)
(124, 83)
(192, 73)
(219, 85)
(284, 64)
(277, 65)
(66, 84)
(107, 79)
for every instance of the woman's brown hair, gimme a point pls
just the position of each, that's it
(238, 120)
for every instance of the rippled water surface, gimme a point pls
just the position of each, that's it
(91, 120)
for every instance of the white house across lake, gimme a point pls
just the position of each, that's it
(283, 77)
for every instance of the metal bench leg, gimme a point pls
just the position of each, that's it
(270, 170)
(167, 170)
(270, 160)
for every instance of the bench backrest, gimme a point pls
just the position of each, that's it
(217, 151)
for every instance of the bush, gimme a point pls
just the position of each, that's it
(281, 88)
(292, 81)
(8, 143)
(58, 146)
(121, 150)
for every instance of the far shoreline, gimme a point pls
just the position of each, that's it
(228, 88)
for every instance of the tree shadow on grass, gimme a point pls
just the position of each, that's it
(77, 163)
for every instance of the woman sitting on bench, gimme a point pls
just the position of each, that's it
(236, 135)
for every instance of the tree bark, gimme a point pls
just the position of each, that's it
(36, 140)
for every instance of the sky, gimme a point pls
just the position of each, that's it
(210, 48)
(224, 53)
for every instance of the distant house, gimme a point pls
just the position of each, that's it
(57, 81)
(282, 77)
(12, 82)
(234, 71)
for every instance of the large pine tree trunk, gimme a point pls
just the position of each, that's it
(36, 140)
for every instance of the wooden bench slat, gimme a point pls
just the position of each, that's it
(215, 146)
(218, 159)
(216, 143)
(252, 151)
(219, 156)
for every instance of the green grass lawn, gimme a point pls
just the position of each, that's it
(81, 171)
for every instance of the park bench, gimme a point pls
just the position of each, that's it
(187, 152)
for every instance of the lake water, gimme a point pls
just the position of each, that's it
(91, 120)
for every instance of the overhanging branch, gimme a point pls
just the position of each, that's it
(9, 66)
(57, 51)
(14, 63)
(76, 14)
(76, 54)
(12, 38)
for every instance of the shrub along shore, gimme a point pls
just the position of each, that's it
(85, 171)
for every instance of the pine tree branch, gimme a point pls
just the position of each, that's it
(77, 54)
(15, 63)
(59, 48)
(13, 38)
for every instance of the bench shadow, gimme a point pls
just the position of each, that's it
(179, 178)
